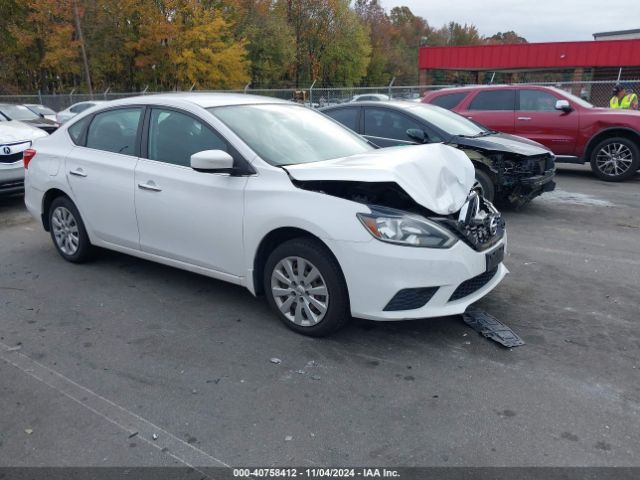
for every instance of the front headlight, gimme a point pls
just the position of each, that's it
(403, 228)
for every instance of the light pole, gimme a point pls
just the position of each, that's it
(82, 47)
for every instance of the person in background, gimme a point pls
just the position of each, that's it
(623, 100)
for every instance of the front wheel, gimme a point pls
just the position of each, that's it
(484, 185)
(305, 287)
(615, 159)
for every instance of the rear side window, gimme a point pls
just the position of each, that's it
(494, 100)
(448, 101)
(76, 130)
(115, 131)
(346, 116)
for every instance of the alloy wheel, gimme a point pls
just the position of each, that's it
(300, 291)
(65, 230)
(614, 159)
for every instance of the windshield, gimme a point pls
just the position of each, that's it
(448, 121)
(42, 109)
(573, 98)
(18, 112)
(284, 134)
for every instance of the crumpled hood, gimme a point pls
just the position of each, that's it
(436, 176)
(15, 131)
(503, 142)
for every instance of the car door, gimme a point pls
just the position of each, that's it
(185, 215)
(386, 127)
(495, 109)
(100, 171)
(538, 119)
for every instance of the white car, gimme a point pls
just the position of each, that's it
(68, 113)
(275, 197)
(15, 138)
(42, 110)
(370, 97)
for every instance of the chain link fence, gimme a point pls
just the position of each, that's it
(596, 92)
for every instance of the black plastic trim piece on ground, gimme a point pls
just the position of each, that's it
(491, 328)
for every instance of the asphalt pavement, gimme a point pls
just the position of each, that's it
(123, 362)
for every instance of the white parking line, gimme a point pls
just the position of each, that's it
(128, 421)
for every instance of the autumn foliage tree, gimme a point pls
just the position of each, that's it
(215, 44)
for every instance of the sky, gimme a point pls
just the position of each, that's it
(535, 20)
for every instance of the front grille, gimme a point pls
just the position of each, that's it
(11, 158)
(473, 285)
(410, 299)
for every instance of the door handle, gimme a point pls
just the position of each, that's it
(78, 172)
(524, 118)
(149, 186)
(469, 117)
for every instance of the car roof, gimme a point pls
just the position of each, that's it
(472, 88)
(402, 104)
(202, 99)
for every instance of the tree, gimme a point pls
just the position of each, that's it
(505, 38)
(204, 51)
(271, 42)
(326, 33)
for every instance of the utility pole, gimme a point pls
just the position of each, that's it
(84, 51)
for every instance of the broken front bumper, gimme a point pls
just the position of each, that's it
(530, 187)
(391, 282)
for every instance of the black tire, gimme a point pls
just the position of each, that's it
(317, 255)
(484, 185)
(83, 249)
(611, 172)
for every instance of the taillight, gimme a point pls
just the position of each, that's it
(27, 156)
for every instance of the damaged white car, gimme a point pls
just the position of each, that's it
(275, 197)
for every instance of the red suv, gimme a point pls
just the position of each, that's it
(573, 129)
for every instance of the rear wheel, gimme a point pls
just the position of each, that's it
(484, 185)
(305, 287)
(67, 231)
(615, 159)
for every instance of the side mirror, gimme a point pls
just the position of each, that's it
(416, 134)
(212, 161)
(563, 105)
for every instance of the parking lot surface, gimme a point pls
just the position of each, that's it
(126, 362)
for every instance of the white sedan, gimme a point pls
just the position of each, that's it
(275, 197)
(15, 138)
(70, 112)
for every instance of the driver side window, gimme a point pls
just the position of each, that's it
(537, 101)
(384, 123)
(175, 136)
